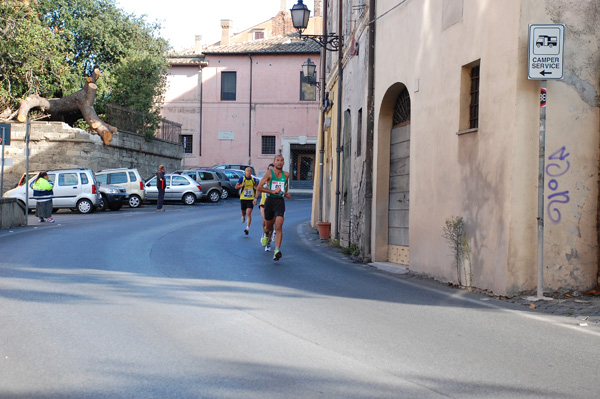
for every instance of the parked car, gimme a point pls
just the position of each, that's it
(228, 188)
(112, 197)
(234, 166)
(75, 189)
(31, 174)
(233, 175)
(211, 186)
(179, 188)
(128, 178)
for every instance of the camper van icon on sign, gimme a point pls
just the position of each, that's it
(546, 41)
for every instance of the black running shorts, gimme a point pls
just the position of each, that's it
(274, 207)
(247, 204)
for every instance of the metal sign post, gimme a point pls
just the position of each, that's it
(546, 56)
(541, 182)
(5, 136)
(27, 171)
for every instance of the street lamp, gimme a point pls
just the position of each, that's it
(300, 15)
(308, 70)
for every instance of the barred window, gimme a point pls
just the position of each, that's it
(268, 145)
(402, 108)
(186, 141)
(359, 133)
(474, 106)
(468, 121)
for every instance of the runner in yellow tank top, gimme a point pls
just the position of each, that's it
(247, 197)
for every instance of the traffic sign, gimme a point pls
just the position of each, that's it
(4, 134)
(546, 51)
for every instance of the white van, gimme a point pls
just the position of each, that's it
(75, 189)
(129, 179)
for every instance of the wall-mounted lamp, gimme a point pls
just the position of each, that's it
(300, 15)
(308, 70)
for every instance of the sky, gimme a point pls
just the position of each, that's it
(182, 20)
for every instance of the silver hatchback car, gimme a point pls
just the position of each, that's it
(179, 188)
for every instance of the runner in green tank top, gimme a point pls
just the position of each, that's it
(275, 184)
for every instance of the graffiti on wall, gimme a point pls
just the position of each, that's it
(557, 166)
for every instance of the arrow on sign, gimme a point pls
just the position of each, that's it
(544, 73)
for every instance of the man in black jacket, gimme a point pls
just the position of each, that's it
(161, 185)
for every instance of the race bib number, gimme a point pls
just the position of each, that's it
(248, 192)
(275, 184)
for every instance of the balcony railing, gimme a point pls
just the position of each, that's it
(131, 121)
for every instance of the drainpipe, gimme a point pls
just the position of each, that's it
(250, 116)
(370, 133)
(339, 120)
(202, 65)
(200, 116)
(321, 129)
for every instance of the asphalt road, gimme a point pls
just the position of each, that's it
(181, 304)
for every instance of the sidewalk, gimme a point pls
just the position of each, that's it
(583, 307)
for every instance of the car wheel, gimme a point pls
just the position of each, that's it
(214, 196)
(134, 201)
(85, 206)
(189, 199)
(103, 204)
(224, 194)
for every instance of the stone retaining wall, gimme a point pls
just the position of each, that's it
(56, 145)
(12, 214)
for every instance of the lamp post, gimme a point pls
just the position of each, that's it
(300, 15)
(308, 70)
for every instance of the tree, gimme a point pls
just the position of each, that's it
(31, 57)
(84, 36)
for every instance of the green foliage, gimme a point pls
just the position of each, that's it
(51, 46)
(353, 250)
(31, 56)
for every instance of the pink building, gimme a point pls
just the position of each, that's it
(246, 102)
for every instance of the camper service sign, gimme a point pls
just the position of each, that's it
(546, 51)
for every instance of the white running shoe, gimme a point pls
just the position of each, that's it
(268, 247)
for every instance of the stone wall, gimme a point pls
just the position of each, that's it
(55, 145)
(12, 214)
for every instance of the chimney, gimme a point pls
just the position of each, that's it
(226, 25)
(198, 44)
(283, 6)
(317, 12)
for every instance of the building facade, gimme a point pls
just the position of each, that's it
(244, 100)
(456, 135)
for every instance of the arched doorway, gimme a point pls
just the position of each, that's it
(398, 209)
(390, 238)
